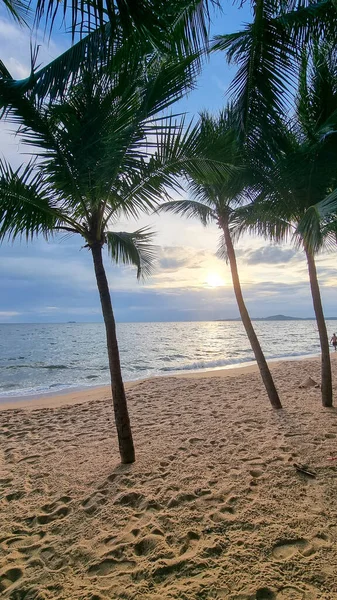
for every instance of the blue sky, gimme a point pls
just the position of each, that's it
(54, 282)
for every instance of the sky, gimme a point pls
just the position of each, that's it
(54, 281)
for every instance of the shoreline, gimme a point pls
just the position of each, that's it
(94, 393)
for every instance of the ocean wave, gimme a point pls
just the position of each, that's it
(202, 364)
(60, 367)
(7, 386)
(228, 362)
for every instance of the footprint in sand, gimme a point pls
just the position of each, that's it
(265, 594)
(190, 543)
(60, 513)
(92, 503)
(29, 593)
(195, 440)
(290, 592)
(29, 459)
(321, 540)
(181, 498)
(146, 546)
(9, 578)
(49, 508)
(15, 495)
(132, 499)
(52, 560)
(5, 481)
(54, 511)
(287, 549)
(110, 565)
(24, 542)
(256, 473)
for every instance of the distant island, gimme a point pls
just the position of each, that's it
(281, 318)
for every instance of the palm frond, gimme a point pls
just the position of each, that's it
(309, 229)
(137, 29)
(26, 205)
(90, 53)
(154, 21)
(306, 21)
(18, 9)
(109, 46)
(317, 95)
(328, 206)
(265, 57)
(190, 209)
(222, 249)
(261, 218)
(268, 54)
(133, 249)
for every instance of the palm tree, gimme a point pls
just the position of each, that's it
(100, 153)
(216, 199)
(298, 177)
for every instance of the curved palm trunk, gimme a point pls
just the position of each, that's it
(326, 386)
(254, 342)
(122, 420)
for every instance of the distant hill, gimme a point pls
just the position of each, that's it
(281, 318)
(286, 318)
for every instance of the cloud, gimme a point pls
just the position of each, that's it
(171, 258)
(172, 264)
(269, 255)
(8, 314)
(59, 304)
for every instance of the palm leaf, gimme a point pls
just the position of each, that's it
(265, 57)
(268, 53)
(171, 30)
(222, 249)
(262, 218)
(133, 249)
(189, 209)
(18, 9)
(152, 20)
(26, 205)
(308, 21)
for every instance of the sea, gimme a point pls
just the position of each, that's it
(50, 358)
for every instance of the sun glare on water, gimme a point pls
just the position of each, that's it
(214, 280)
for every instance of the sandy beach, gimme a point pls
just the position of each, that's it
(213, 507)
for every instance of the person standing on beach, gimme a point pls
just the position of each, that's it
(333, 341)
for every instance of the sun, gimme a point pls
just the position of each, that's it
(214, 280)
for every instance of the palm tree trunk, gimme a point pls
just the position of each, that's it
(122, 420)
(254, 342)
(326, 386)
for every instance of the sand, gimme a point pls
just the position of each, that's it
(213, 507)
